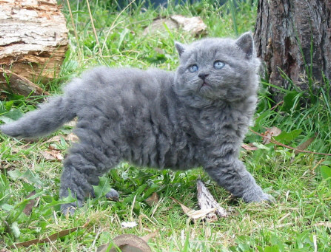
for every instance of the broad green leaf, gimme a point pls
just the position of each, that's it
(33, 178)
(103, 188)
(8, 105)
(261, 146)
(14, 114)
(15, 174)
(7, 207)
(151, 190)
(6, 119)
(286, 137)
(290, 101)
(326, 173)
(274, 248)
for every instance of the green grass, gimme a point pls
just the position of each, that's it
(301, 184)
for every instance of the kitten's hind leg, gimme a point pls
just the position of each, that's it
(237, 180)
(82, 169)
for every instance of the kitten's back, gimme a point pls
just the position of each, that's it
(110, 90)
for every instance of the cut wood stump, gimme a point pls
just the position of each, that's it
(33, 42)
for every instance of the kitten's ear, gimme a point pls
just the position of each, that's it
(246, 43)
(180, 48)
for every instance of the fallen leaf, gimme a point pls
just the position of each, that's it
(4, 250)
(304, 145)
(21, 85)
(159, 50)
(52, 155)
(185, 208)
(54, 139)
(72, 138)
(153, 199)
(71, 123)
(200, 214)
(50, 238)
(195, 214)
(28, 208)
(271, 132)
(249, 147)
(69, 138)
(324, 224)
(150, 235)
(126, 243)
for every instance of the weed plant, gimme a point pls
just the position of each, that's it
(301, 183)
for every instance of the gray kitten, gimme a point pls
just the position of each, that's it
(196, 116)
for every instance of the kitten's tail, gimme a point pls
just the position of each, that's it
(49, 117)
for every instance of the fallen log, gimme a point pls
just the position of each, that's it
(33, 42)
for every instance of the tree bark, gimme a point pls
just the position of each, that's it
(33, 41)
(294, 37)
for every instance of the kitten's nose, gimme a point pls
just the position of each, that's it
(203, 76)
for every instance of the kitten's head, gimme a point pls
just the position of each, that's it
(217, 70)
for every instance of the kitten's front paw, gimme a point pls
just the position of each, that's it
(70, 208)
(253, 196)
(113, 195)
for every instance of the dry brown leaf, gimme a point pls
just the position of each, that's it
(150, 236)
(159, 50)
(57, 139)
(5, 250)
(153, 199)
(323, 224)
(304, 145)
(185, 208)
(195, 214)
(28, 208)
(271, 132)
(71, 123)
(50, 238)
(249, 147)
(54, 139)
(201, 214)
(127, 243)
(72, 138)
(22, 85)
(52, 155)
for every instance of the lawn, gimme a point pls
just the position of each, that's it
(300, 220)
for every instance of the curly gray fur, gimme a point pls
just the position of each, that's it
(196, 116)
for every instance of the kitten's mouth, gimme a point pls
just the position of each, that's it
(204, 84)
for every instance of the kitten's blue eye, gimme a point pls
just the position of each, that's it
(193, 68)
(219, 64)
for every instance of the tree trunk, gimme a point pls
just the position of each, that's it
(33, 42)
(294, 37)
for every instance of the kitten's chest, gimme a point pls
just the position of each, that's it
(216, 126)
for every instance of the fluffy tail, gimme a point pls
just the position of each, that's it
(49, 117)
